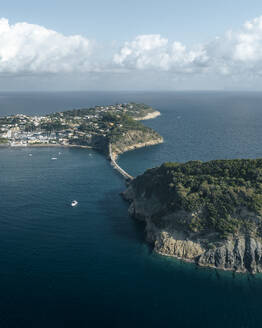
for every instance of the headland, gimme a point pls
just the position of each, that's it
(112, 130)
(207, 213)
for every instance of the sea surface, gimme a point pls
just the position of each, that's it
(89, 266)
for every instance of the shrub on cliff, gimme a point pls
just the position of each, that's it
(216, 191)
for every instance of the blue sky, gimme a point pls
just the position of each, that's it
(66, 45)
(107, 20)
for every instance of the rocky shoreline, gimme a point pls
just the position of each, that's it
(239, 253)
(115, 154)
(149, 116)
(47, 145)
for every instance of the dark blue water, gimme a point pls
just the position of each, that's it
(89, 266)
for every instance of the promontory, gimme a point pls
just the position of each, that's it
(113, 127)
(209, 213)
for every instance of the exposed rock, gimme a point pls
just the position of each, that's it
(149, 116)
(168, 244)
(135, 139)
(240, 253)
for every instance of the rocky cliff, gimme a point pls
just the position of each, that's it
(148, 116)
(134, 139)
(184, 226)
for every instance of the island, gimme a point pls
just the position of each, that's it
(111, 130)
(209, 213)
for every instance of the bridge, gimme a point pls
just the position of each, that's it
(127, 176)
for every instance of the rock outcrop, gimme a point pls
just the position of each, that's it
(241, 254)
(134, 139)
(148, 116)
(239, 251)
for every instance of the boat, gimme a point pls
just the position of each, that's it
(54, 158)
(74, 203)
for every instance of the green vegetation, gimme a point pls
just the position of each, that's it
(121, 124)
(3, 141)
(224, 196)
(138, 110)
(8, 120)
(118, 129)
(69, 114)
(94, 127)
(30, 127)
(131, 109)
(55, 125)
(124, 132)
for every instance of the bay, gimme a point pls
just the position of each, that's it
(89, 266)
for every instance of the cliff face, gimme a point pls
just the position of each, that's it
(148, 116)
(171, 232)
(241, 253)
(98, 142)
(134, 139)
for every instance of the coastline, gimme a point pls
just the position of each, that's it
(200, 265)
(204, 266)
(175, 245)
(149, 116)
(46, 145)
(239, 252)
(115, 155)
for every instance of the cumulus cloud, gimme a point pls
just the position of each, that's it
(146, 51)
(154, 52)
(28, 48)
(33, 49)
(234, 53)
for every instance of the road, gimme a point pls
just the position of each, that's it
(117, 167)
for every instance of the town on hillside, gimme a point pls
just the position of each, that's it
(72, 127)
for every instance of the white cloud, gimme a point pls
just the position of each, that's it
(33, 49)
(233, 54)
(146, 51)
(248, 45)
(28, 48)
(154, 52)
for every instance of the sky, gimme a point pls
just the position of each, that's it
(130, 45)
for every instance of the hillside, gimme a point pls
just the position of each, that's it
(210, 213)
(127, 134)
(95, 127)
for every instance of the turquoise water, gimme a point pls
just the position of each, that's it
(89, 266)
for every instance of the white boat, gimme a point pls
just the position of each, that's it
(74, 203)
(54, 158)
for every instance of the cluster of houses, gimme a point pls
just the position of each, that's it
(20, 138)
(23, 130)
(14, 131)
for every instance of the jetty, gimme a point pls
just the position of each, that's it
(126, 175)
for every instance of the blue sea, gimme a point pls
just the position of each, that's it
(89, 266)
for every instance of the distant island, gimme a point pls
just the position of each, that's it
(111, 130)
(208, 213)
